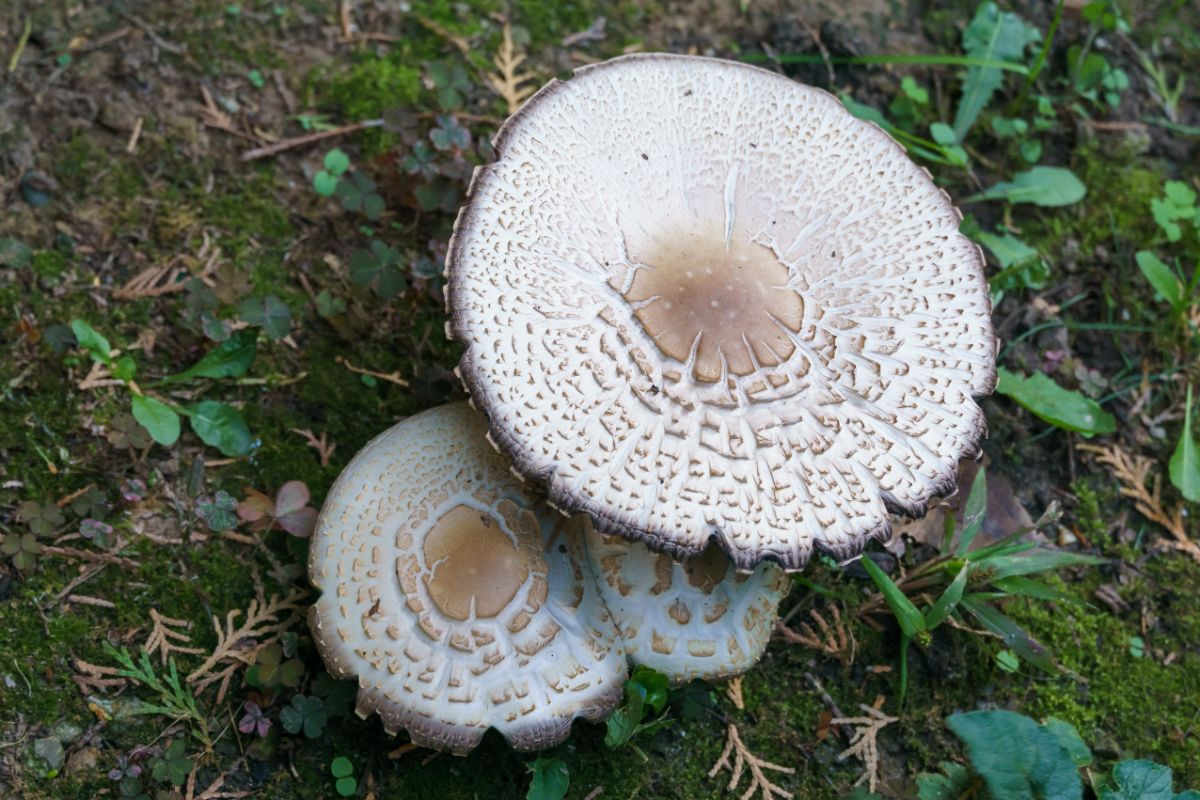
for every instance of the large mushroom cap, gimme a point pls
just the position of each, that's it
(696, 619)
(457, 601)
(702, 301)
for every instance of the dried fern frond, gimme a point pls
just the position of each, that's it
(511, 85)
(237, 645)
(864, 743)
(831, 638)
(1132, 473)
(166, 640)
(744, 759)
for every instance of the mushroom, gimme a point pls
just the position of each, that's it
(457, 602)
(702, 302)
(697, 619)
(460, 601)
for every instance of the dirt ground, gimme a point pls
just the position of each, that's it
(156, 182)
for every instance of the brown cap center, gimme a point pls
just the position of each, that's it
(695, 287)
(470, 559)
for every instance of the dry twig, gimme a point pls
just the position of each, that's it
(743, 758)
(511, 85)
(864, 745)
(1131, 472)
(835, 638)
(390, 377)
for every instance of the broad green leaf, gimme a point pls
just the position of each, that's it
(949, 600)
(1042, 186)
(993, 35)
(1017, 758)
(910, 618)
(221, 426)
(550, 779)
(1060, 407)
(230, 359)
(974, 512)
(1139, 780)
(158, 418)
(1012, 634)
(88, 338)
(341, 767)
(1066, 735)
(1185, 463)
(1161, 278)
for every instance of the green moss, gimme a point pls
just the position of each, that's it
(1132, 707)
(49, 264)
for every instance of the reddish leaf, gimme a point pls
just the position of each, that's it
(256, 508)
(299, 523)
(292, 496)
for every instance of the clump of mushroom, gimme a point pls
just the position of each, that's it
(702, 302)
(696, 619)
(461, 602)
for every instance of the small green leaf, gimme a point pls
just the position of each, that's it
(341, 767)
(1161, 278)
(974, 512)
(1139, 780)
(946, 603)
(1008, 661)
(951, 785)
(346, 786)
(1026, 587)
(221, 426)
(550, 779)
(124, 368)
(158, 418)
(230, 359)
(336, 162)
(325, 183)
(1037, 560)
(89, 339)
(270, 313)
(1042, 186)
(910, 618)
(1010, 633)
(942, 133)
(1185, 462)
(1066, 735)
(1060, 407)
(993, 35)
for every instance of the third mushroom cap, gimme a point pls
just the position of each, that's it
(701, 301)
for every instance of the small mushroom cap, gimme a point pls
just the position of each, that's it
(457, 601)
(696, 619)
(701, 301)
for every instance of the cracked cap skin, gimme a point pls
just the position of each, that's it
(703, 303)
(460, 601)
